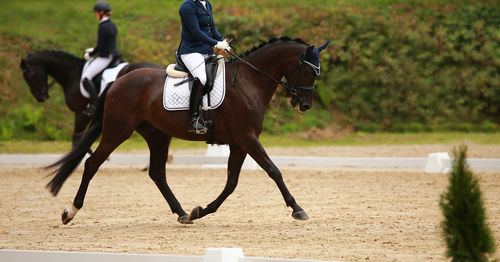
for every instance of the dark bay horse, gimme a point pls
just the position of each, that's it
(66, 70)
(134, 102)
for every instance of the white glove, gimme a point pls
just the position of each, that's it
(87, 53)
(223, 45)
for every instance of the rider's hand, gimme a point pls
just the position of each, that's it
(223, 45)
(87, 53)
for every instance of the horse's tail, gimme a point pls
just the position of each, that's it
(68, 163)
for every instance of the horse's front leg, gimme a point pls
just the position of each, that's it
(236, 158)
(81, 122)
(256, 150)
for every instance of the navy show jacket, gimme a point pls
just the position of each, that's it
(198, 29)
(106, 40)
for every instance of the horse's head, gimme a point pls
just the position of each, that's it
(36, 77)
(303, 76)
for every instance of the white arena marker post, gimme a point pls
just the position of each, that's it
(223, 255)
(217, 150)
(438, 163)
(223, 151)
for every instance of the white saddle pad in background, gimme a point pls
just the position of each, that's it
(108, 75)
(177, 97)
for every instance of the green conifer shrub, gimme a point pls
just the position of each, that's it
(468, 237)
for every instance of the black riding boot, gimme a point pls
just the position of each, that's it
(91, 106)
(194, 108)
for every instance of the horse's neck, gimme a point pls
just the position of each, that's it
(271, 60)
(64, 70)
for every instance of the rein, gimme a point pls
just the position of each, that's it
(49, 85)
(292, 89)
(258, 70)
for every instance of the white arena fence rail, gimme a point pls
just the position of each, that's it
(435, 163)
(211, 255)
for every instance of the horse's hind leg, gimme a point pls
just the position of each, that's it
(158, 144)
(109, 142)
(236, 158)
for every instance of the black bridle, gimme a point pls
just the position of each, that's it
(292, 89)
(45, 89)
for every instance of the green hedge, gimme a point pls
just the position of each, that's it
(402, 66)
(419, 67)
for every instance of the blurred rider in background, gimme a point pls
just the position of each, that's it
(105, 49)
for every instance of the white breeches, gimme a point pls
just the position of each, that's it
(95, 66)
(195, 63)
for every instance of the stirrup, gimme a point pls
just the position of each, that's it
(197, 128)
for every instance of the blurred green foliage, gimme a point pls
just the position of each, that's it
(398, 66)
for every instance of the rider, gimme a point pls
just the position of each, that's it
(198, 37)
(106, 49)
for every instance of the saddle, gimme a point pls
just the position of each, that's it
(105, 76)
(179, 70)
(117, 60)
(176, 90)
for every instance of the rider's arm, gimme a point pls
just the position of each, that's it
(100, 41)
(104, 38)
(216, 33)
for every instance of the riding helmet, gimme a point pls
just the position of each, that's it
(102, 6)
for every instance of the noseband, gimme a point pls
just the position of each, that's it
(292, 89)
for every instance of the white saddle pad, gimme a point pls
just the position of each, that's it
(177, 97)
(108, 75)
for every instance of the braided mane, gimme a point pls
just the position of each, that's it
(272, 40)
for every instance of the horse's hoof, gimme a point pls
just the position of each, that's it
(184, 220)
(68, 214)
(195, 213)
(300, 215)
(65, 217)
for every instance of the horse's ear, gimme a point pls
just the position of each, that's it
(310, 51)
(323, 46)
(26, 70)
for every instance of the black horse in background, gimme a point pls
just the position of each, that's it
(66, 69)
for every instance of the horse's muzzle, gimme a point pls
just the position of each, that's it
(303, 104)
(42, 97)
(304, 107)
